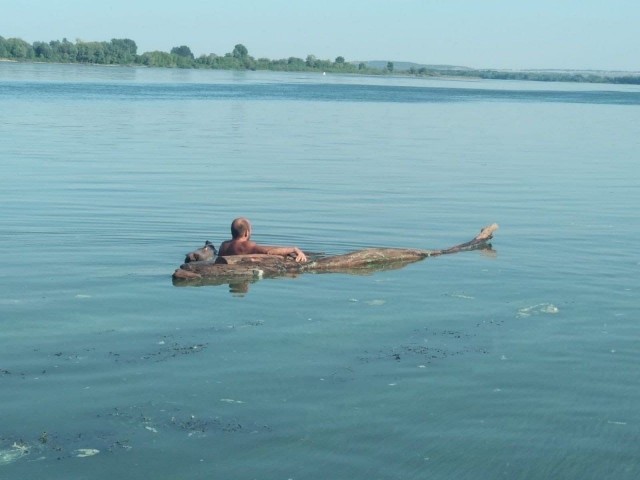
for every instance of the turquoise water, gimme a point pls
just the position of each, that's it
(521, 363)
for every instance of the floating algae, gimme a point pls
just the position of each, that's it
(462, 295)
(426, 346)
(86, 452)
(540, 308)
(371, 303)
(16, 452)
(168, 419)
(230, 400)
(59, 445)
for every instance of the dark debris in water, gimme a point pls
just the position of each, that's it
(174, 350)
(164, 351)
(63, 361)
(159, 419)
(125, 428)
(59, 446)
(128, 427)
(428, 346)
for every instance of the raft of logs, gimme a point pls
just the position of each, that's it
(242, 268)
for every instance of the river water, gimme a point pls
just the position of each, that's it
(520, 362)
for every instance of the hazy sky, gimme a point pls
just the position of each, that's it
(572, 34)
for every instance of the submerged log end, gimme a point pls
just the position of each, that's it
(487, 232)
(181, 274)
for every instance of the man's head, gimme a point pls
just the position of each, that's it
(240, 227)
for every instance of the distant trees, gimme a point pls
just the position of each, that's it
(182, 51)
(64, 51)
(158, 59)
(244, 60)
(240, 52)
(124, 51)
(297, 62)
(182, 57)
(15, 48)
(311, 61)
(117, 51)
(42, 50)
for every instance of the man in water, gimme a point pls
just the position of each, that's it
(241, 244)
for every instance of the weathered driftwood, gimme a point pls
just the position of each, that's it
(207, 252)
(242, 268)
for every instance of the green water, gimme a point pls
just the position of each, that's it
(519, 364)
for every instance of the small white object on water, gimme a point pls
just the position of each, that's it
(376, 303)
(230, 400)
(151, 429)
(537, 309)
(80, 295)
(461, 295)
(10, 301)
(86, 452)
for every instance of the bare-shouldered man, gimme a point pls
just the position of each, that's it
(241, 244)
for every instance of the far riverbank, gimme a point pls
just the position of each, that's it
(125, 52)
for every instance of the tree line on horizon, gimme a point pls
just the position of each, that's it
(124, 51)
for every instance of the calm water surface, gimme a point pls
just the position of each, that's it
(519, 363)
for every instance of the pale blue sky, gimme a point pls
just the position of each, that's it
(571, 34)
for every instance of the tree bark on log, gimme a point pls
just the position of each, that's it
(236, 268)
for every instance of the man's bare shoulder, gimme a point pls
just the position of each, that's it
(235, 247)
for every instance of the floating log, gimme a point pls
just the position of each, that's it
(239, 268)
(207, 252)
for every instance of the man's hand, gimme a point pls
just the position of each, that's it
(300, 256)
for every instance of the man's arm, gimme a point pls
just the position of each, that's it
(284, 251)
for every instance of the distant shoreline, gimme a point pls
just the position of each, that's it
(548, 76)
(123, 52)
